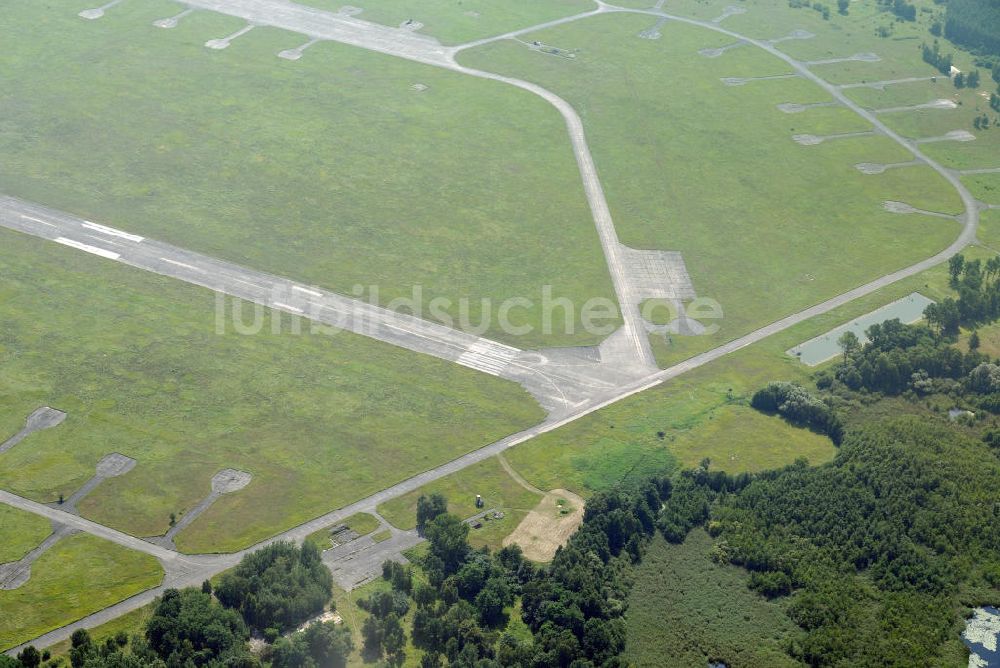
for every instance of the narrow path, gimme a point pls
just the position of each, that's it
(517, 476)
(42, 418)
(83, 524)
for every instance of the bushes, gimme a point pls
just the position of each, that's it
(323, 645)
(795, 404)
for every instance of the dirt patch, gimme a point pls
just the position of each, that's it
(548, 526)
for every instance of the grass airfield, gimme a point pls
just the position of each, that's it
(704, 413)
(336, 170)
(81, 574)
(457, 22)
(331, 170)
(333, 417)
(714, 172)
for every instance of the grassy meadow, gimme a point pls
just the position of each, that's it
(710, 170)
(136, 362)
(22, 532)
(333, 170)
(703, 413)
(81, 574)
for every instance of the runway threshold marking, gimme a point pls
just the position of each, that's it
(110, 231)
(105, 241)
(111, 255)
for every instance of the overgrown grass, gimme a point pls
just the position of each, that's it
(985, 187)
(136, 362)
(983, 152)
(685, 610)
(22, 532)
(81, 574)
(332, 170)
(488, 479)
(765, 225)
(989, 229)
(457, 21)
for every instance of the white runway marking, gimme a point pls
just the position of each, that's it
(181, 264)
(240, 280)
(307, 291)
(37, 220)
(111, 255)
(110, 231)
(104, 241)
(287, 307)
(488, 356)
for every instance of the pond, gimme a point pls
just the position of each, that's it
(980, 636)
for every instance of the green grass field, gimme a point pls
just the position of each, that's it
(716, 175)
(989, 229)
(901, 58)
(138, 366)
(458, 21)
(985, 187)
(22, 532)
(488, 479)
(984, 152)
(702, 413)
(81, 574)
(685, 610)
(332, 170)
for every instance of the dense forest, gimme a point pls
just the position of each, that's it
(974, 24)
(879, 550)
(573, 608)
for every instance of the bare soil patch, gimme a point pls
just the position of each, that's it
(548, 526)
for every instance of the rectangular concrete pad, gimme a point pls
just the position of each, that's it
(657, 274)
(825, 347)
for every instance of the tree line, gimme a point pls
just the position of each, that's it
(574, 608)
(975, 24)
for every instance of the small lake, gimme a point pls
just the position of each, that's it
(980, 636)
